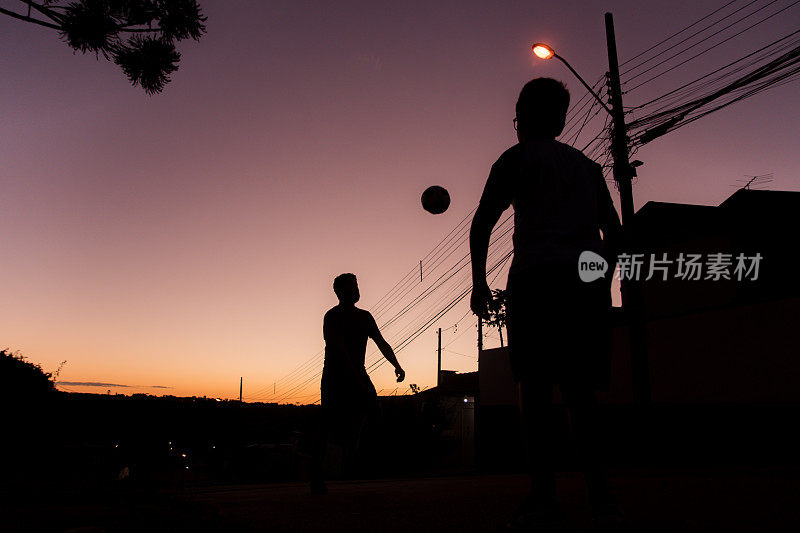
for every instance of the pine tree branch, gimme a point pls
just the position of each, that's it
(46, 11)
(29, 19)
(139, 30)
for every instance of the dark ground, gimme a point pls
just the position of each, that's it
(204, 466)
(676, 500)
(659, 501)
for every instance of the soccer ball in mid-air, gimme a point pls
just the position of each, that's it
(435, 199)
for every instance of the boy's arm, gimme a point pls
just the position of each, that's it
(386, 350)
(496, 198)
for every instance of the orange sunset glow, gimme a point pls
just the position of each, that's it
(175, 243)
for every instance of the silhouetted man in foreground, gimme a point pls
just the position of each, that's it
(348, 395)
(557, 324)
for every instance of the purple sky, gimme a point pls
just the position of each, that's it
(189, 238)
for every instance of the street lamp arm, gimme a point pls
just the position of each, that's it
(596, 97)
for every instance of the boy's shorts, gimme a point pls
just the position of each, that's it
(558, 327)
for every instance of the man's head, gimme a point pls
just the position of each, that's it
(346, 288)
(542, 109)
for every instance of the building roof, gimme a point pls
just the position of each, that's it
(765, 214)
(762, 201)
(452, 382)
(748, 223)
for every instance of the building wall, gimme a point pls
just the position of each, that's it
(743, 353)
(739, 353)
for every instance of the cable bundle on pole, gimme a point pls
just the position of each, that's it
(780, 70)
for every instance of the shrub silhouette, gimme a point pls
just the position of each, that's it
(22, 380)
(31, 418)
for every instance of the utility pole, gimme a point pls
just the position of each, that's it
(480, 335)
(439, 364)
(241, 379)
(624, 173)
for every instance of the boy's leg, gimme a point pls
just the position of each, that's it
(581, 401)
(540, 511)
(318, 453)
(352, 442)
(536, 402)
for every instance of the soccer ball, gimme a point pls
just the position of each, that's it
(435, 199)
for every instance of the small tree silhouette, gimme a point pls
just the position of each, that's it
(139, 35)
(23, 380)
(32, 418)
(497, 312)
(414, 388)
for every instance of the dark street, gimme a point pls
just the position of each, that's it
(731, 500)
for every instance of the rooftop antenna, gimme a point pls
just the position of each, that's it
(755, 183)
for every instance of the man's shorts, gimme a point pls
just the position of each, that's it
(342, 391)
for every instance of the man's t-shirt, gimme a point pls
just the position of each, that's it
(344, 379)
(346, 331)
(557, 193)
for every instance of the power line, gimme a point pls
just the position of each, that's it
(678, 32)
(436, 284)
(574, 138)
(463, 281)
(438, 315)
(780, 69)
(671, 49)
(576, 110)
(686, 85)
(704, 51)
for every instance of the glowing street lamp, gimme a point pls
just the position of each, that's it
(543, 51)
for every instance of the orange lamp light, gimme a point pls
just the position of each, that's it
(543, 51)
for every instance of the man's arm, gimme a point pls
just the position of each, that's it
(386, 350)
(496, 198)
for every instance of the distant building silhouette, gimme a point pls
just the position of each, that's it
(725, 339)
(748, 222)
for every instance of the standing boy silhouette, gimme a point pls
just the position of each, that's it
(348, 395)
(557, 325)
